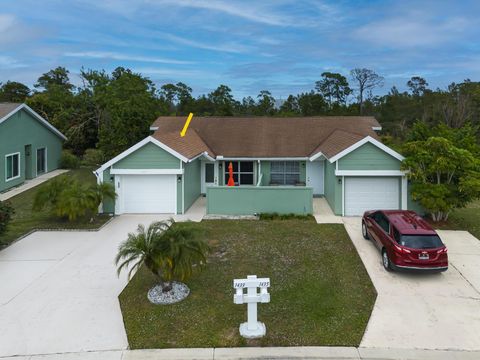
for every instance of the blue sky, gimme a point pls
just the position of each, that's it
(279, 45)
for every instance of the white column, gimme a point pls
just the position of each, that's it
(404, 193)
(252, 323)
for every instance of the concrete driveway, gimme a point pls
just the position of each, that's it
(424, 311)
(58, 290)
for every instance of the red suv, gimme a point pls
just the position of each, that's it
(405, 240)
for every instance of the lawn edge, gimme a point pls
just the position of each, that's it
(3, 247)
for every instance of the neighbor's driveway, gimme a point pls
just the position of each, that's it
(424, 311)
(58, 290)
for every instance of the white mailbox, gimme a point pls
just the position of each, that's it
(252, 328)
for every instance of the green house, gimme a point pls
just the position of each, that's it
(277, 165)
(29, 145)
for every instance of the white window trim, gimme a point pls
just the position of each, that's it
(284, 172)
(367, 139)
(115, 171)
(369, 173)
(238, 172)
(19, 166)
(36, 158)
(220, 157)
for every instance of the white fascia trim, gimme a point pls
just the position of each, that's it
(260, 158)
(359, 143)
(153, 128)
(146, 171)
(369, 173)
(137, 146)
(316, 156)
(38, 117)
(376, 128)
(168, 149)
(205, 154)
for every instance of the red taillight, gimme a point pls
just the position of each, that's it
(401, 249)
(444, 250)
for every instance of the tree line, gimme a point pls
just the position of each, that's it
(112, 111)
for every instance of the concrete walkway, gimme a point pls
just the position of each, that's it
(310, 353)
(323, 212)
(59, 290)
(424, 311)
(28, 184)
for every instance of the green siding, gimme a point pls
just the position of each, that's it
(149, 156)
(192, 183)
(333, 188)
(414, 205)
(180, 195)
(265, 169)
(109, 204)
(23, 129)
(248, 200)
(368, 157)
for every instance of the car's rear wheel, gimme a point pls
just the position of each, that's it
(365, 231)
(386, 261)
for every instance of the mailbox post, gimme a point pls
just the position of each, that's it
(252, 328)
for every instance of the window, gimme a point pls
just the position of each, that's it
(242, 172)
(382, 221)
(209, 173)
(396, 235)
(284, 172)
(12, 166)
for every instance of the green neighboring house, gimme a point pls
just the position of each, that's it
(29, 145)
(279, 165)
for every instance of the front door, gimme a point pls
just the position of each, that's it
(315, 176)
(208, 176)
(41, 161)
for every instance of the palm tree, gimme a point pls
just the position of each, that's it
(67, 197)
(169, 252)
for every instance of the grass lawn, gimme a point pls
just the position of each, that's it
(25, 219)
(320, 291)
(464, 219)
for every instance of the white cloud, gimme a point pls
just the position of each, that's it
(411, 31)
(123, 57)
(228, 47)
(247, 10)
(8, 62)
(6, 22)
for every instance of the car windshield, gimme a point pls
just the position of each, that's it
(421, 241)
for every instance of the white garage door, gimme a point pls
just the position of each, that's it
(148, 194)
(371, 193)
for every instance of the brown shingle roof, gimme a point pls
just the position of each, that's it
(264, 136)
(189, 146)
(6, 108)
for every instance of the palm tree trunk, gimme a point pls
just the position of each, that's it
(167, 286)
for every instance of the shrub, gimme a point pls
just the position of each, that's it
(277, 216)
(70, 199)
(69, 161)
(6, 213)
(93, 157)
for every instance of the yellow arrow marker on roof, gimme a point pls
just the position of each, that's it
(185, 127)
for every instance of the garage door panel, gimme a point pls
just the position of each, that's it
(370, 193)
(148, 193)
